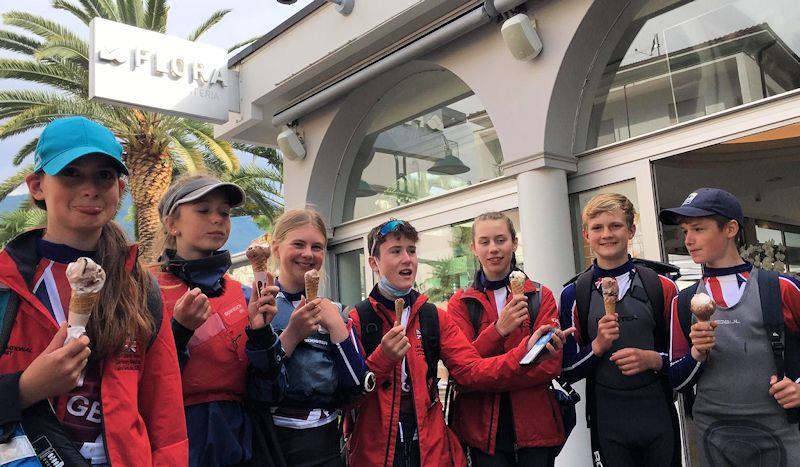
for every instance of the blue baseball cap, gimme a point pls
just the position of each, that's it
(704, 202)
(67, 139)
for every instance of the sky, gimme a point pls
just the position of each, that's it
(248, 18)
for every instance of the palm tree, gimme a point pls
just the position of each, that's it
(157, 147)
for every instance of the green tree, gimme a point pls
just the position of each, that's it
(157, 147)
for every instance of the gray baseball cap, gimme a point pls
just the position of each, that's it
(196, 189)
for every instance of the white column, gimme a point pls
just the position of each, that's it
(546, 231)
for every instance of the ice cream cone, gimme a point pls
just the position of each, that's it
(517, 282)
(81, 307)
(86, 278)
(399, 305)
(312, 284)
(702, 306)
(610, 290)
(258, 255)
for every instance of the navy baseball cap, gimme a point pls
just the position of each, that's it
(704, 202)
(70, 138)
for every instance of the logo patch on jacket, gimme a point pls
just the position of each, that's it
(130, 358)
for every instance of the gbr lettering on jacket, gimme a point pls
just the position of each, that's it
(81, 407)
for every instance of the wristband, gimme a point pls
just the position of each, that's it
(369, 382)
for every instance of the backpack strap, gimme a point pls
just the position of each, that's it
(655, 295)
(371, 332)
(583, 295)
(156, 307)
(770, 291)
(431, 345)
(685, 310)
(534, 303)
(475, 310)
(9, 303)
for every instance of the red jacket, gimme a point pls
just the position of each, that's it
(217, 368)
(375, 430)
(143, 419)
(536, 414)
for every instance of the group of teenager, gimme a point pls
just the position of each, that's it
(182, 364)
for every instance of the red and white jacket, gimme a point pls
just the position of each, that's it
(374, 433)
(536, 414)
(143, 419)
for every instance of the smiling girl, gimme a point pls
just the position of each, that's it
(126, 411)
(322, 365)
(209, 312)
(497, 426)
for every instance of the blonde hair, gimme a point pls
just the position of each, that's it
(607, 202)
(294, 219)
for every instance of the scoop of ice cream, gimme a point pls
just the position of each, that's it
(609, 287)
(517, 276)
(703, 306)
(311, 275)
(258, 255)
(85, 276)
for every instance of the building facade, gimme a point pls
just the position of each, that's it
(416, 109)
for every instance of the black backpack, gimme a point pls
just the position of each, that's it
(371, 335)
(41, 426)
(785, 346)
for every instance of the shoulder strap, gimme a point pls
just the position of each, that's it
(155, 305)
(770, 291)
(583, 296)
(534, 304)
(655, 295)
(475, 310)
(684, 309)
(370, 326)
(429, 326)
(9, 303)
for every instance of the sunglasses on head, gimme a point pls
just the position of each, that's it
(386, 228)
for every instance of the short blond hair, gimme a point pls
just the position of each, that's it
(607, 202)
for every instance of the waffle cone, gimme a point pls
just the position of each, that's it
(517, 287)
(81, 307)
(399, 305)
(312, 288)
(610, 305)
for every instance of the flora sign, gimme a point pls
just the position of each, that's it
(153, 71)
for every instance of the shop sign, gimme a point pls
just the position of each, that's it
(145, 69)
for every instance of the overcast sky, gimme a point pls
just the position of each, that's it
(249, 18)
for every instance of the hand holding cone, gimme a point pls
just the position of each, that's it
(702, 307)
(258, 254)
(610, 290)
(311, 278)
(87, 279)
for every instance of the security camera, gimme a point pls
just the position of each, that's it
(290, 144)
(521, 38)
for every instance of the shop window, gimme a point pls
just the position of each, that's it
(426, 136)
(351, 280)
(577, 201)
(680, 60)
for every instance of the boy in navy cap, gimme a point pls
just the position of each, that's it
(743, 362)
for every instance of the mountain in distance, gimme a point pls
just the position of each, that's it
(243, 229)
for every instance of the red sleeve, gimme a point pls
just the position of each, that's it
(670, 291)
(161, 400)
(790, 298)
(679, 346)
(495, 374)
(489, 342)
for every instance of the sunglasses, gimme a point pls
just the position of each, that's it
(386, 228)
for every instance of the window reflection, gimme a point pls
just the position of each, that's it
(687, 60)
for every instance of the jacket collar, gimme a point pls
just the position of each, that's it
(476, 289)
(385, 308)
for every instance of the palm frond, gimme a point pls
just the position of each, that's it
(107, 8)
(66, 76)
(75, 10)
(25, 151)
(155, 15)
(243, 43)
(19, 43)
(268, 154)
(38, 25)
(185, 153)
(129, 11)
(13, 182)
(14, 101)
(13, 223)
(66, 47)
(221, 150)
(41, 115)
(215, 18)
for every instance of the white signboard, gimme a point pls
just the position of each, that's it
(153, 71)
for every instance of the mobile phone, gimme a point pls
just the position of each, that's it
(537, 349)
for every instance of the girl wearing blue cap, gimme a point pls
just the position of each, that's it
(124, 410)
(209, 310)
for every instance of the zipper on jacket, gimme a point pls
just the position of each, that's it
(391, 420)
(491, 422)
